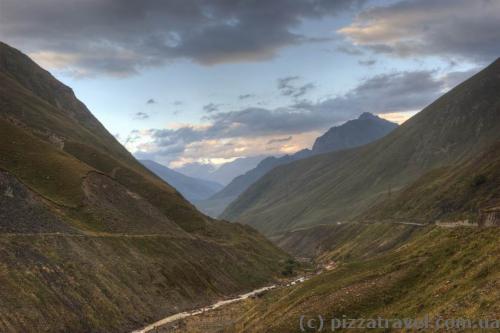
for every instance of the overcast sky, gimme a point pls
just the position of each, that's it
(183, 81)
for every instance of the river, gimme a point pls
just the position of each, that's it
(182, 315)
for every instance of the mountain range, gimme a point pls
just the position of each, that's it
(90, 240)
(222, 174)
(193, 189)
(366, 128)
(404, 174)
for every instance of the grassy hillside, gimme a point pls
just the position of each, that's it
(345, 241)
(448, 193)
(442, 272)
(62, 283)
(90, 239)
(342, 185)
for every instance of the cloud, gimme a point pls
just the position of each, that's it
(461, 29)
(245, 96)
(120, 37)
(177, 103)
(392, 93)
(280, 140)
(367, 62)
(385, 93)
(141, 115)
(452, 79)
(211, 107)
(286, 82)
(288, 87)
(151, 101)
(350, 50)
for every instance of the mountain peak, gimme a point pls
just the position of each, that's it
(353, 133)
(367, 115)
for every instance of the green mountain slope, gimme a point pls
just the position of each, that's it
(451, 193)
(343, 185)
(90, 239)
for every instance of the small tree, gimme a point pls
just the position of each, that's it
(290, 265)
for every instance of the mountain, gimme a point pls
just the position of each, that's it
(216, 204)
(353, 133)
(197, 170)
(90, 240)
(193, 189)
(345, 185)
(222, 174)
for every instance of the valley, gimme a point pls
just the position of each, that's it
(249, 166)
(438, 272)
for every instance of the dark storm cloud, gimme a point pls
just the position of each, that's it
(461, 29)
(395, 92)
(119, 37)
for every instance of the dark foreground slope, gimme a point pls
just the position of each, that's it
(451, 132)
(90, 240)
(354, 133)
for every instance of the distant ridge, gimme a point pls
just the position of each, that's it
(354, 133)
(193, 189)
(222, 174)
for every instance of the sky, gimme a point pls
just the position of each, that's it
(193, 81)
